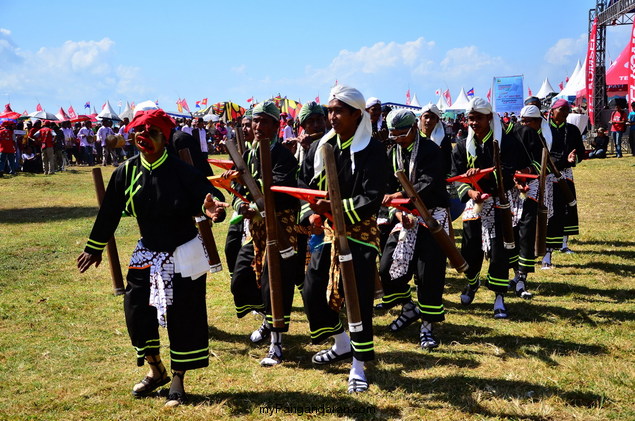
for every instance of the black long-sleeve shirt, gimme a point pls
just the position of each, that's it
(284, 168)
(362, 191)
(163, 196)
(429, 172)
(566, 138)
(510, 155)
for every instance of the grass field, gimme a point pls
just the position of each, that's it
(565, 355)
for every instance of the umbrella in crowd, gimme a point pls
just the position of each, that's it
(288, 106)
(43, 115)
(9, 114)
(80, 118)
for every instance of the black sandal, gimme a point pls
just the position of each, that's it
(150, 384)
(403, 321)
(357, 385)
(176, 398)
(328, 356)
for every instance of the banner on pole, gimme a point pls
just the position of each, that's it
(508, 94)
(590, 71)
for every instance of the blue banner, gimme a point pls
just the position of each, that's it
(508, 94)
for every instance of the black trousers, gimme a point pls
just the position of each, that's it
(325, 322)
(428, 262)
(233, 243)
(248, 296)
(186, 317)
(471, 249)
(524, 254)
(564, 220)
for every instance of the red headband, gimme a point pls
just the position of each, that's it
(156, 118)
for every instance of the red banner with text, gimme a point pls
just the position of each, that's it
(590, 70)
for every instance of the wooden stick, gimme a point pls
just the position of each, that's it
(111, 247)
(204, 226)
(503, 202)
(271, 226)
(286, 251)
(347, 270)
(438, 233)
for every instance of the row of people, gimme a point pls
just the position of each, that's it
(168, 267)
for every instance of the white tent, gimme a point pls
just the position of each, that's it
(461, 102)
(108, 112)
(127, 112)
(415, 101)
(442, 104)
(576, 82)
(545, 89)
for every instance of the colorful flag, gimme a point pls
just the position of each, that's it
(437, 92)
(198, 104)
(250, 99)
(38, 108)
(71, 112)
(156, 102)
(529, 90)
(408, 99)
(561, 85)
(185, 106)
(489, 95)
(132, 105)
(204, 102)
(87, 105)
(317, 99)
(566, 79)
(470, 92)
(448, 97)
(179, 106)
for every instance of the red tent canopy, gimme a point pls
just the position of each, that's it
(617, 73)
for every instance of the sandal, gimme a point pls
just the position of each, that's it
(261, 333)
(356, 385)
(176, 398)
(404, 320)
(426, 339)
(149, 384)
(328, 356)
(274, 356)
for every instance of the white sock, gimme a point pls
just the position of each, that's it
(276, 340)
(357, 370)
(547, 259)
(256, 336)
(565, 241)
(342, 343)
(499, 304)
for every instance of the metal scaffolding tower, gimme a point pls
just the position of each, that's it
(608, 13)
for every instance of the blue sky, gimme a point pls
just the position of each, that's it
(69, 52)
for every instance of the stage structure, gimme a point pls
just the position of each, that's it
(608, 13)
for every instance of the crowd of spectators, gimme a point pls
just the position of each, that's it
(51, 146)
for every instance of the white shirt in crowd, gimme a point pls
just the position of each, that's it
(103, 133)
(187, 129)
(287, 132)
(202, 134)
(82, 134)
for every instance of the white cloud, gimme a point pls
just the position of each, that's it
(469, 61)
(566, 50)
(74, 71)
(378, 58)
